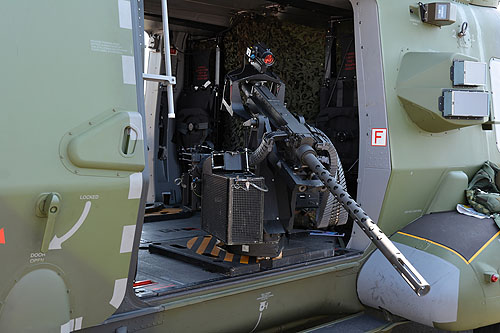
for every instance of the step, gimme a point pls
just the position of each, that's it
(357, 323)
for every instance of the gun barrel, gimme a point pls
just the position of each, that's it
(419, 285)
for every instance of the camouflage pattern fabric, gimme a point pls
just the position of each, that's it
(299, 51)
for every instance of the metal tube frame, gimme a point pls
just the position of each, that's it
(168, 64)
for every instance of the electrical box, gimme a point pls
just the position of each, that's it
(466, 104)
(469, 73)
(439, 13)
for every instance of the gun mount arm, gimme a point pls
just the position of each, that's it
(416, 281)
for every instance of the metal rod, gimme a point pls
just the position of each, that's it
(159, 78)
(382, 242)
(168, 64)
(217, 65)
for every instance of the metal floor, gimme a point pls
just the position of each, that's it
(168, 274)
(160, 274)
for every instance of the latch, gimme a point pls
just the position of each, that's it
(47, 206)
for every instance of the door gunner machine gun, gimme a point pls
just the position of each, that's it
(284, 154)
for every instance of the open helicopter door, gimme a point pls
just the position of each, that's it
(72, 156)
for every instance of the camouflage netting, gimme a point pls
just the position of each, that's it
(299, 53)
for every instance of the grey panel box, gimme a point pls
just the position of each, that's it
(440, 13)
(469, 73)
(466, 104)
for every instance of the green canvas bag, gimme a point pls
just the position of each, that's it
(483, 193)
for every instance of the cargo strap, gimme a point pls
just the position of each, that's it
(185, 128)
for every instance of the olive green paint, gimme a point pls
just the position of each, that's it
(450, 192)
(299, 294)
(427, 154)
(55, 96)
(61, 68)
(420, 159)
(26, 299)
(78, 150)
(421, 80)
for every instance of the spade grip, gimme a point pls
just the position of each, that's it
(419, 285)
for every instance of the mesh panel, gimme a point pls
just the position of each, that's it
(231, 211)
(248, 212)
(214, 206)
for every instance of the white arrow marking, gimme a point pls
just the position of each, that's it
(55, 243)
(258, 322)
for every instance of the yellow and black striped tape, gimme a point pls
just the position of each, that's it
(207, 246)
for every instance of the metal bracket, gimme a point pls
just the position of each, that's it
(167, 80)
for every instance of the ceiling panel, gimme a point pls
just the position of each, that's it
(218, 12)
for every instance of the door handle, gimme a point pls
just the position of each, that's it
(129, 141)
(48, 207)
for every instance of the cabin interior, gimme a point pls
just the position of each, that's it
(186, 241)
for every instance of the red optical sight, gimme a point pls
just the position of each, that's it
(269, 59)
(260, 56)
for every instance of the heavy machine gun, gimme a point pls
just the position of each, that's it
(297, 150)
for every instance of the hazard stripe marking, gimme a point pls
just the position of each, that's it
(244, 259)
(191, 242)
(207, 246)
(203, 245)
(215, 251)
(2, 236)
(228, 257)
